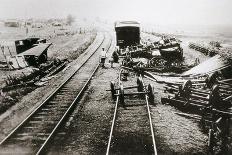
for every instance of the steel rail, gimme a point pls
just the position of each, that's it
(66, 113)
(112, 126)
(151, 126)
(150, 123)
(54, 92)
(114, 119)
(73, 103)
(51, 95)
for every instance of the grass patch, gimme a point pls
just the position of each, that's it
(10, 98)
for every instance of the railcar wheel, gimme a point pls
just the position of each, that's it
(112, 89)
(151, 96)
(186, 89)
(214, 97)
(211, 140)
(121, 96)
(212, 79)
(140, 84)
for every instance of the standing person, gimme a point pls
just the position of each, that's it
(111, 61)
(116, 49)
(115, 56)
(103, 57)
(127, 50)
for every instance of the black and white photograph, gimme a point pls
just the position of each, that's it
(115, 77)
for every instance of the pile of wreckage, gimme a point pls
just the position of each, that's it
(165, 55)
(211, 49)
(205, 95)
(207, 101)
(32, 57)
(201, 93)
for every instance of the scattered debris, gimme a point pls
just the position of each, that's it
(45, 70)
(165, 55)
(216, 63)
(215, 44)
(211, 100)
(212, 49)
(11, 23)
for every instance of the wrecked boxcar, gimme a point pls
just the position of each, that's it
(36, 55)
(30, 52)
(127, 33)
(25, 44)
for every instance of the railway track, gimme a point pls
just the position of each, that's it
(127, 124)
(33, 135)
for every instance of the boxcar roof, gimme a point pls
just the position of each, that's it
(127, 24)
(29, 38)
(214, 63)
(37, 50)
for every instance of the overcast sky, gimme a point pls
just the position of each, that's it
(203, 12)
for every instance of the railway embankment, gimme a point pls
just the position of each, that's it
(28, 103)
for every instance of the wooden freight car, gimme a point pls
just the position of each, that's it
(127, 33)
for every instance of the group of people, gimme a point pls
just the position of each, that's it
(113, 59)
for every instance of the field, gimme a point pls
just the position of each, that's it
(68, 42)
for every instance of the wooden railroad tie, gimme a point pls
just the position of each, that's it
(218, 96)
(215, 115)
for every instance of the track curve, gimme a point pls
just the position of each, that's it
(34, 133)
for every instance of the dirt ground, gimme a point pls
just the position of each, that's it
(90, 122)
(66, 47)
(175, 134)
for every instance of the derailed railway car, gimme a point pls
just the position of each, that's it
(127, 33)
